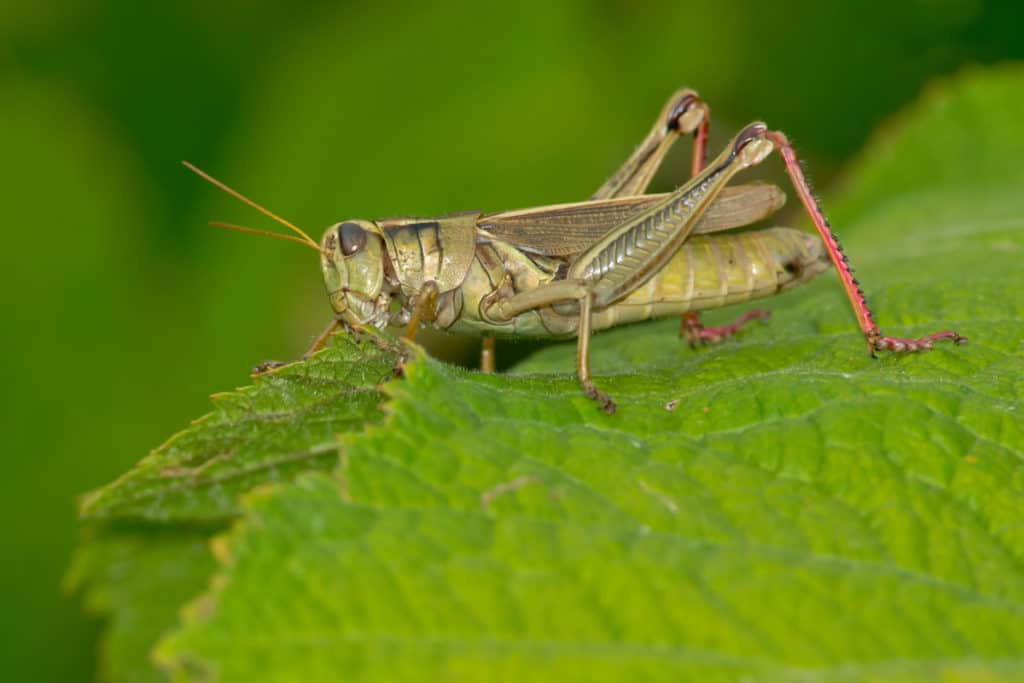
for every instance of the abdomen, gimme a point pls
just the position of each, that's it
(710, 271)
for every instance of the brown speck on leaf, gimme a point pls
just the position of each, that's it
(971, 458)
(707, 409)
(205, 607)
(488, 496)
(172, 472)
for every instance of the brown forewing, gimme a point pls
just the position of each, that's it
(567, 229)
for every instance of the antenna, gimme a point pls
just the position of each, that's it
(242, 198)
(264, 233)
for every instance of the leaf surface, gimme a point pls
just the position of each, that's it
(780, 507)
(287, 422)
(138, 576)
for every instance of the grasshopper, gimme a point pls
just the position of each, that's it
(570, 269)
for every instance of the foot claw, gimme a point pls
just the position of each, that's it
(267, 365)
(878, 342)
(696, 334)
(604, 400)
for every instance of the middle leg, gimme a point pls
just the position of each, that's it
(590, 389)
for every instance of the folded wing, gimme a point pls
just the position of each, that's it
(567, 229)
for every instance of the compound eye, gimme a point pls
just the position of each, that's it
(351, 237)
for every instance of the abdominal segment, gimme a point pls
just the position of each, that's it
(711, 271)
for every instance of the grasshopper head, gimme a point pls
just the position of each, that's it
(353, 269)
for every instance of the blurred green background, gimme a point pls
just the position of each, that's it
(124, 311)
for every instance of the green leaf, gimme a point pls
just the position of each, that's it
(385, 593)
(780, 507)
(138, 576)
(942, 142)
(286, 423)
